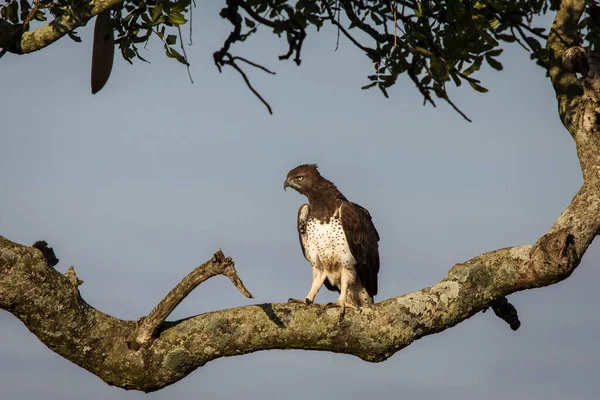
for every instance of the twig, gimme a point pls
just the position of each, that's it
(253, 64)
(456, 108)
(31, 14)
(184, 53)
(232, 63)
(345, 32)
(393, 7)
(192, 6)
(217, 265)
(339, 12)
(512, 30)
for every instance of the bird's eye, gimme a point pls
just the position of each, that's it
(299, 178)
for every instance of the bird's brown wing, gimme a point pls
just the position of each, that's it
(302, 220)
(363, 241)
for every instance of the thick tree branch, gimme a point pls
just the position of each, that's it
(217, 265)
(578, 100)
(49, 306)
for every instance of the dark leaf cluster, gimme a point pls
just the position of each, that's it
(434, 43)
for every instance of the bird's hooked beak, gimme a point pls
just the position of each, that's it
(286, 184)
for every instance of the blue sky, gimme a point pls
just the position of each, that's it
(138, 184)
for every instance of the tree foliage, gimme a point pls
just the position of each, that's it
(434, 43)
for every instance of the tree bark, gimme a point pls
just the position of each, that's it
(50, 305)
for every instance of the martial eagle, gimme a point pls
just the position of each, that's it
(338, 238)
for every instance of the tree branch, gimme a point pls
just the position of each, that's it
(563, 34)
(46, 302)
(578, 100)
(217, 265)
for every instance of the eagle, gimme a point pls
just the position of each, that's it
(338, 239)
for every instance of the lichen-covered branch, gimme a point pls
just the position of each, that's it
(50, 306)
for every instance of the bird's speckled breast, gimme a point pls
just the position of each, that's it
(327, 246)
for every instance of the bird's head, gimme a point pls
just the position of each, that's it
(302, 178)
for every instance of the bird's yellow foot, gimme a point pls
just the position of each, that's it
(342, 307)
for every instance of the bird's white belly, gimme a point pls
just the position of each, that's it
(327, 248)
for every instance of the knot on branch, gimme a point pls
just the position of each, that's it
(507, 312)
(47, 252)
(558, 249)
(219, 257)
(553, 258)
(579, 60)
(72, 276)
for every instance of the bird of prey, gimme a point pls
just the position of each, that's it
(338, 238)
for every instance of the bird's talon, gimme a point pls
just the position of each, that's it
(296, 301)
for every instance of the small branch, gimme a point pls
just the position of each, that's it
(217, 265)
(336, 22)
(268, 71)
(31, 14)
(451, 103)
(184, 52)
(232, 63)
(72, 276)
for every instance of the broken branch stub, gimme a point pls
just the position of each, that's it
(217, 265)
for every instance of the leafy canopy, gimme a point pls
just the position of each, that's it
(432, 42)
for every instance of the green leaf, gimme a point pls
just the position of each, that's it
(384, 91)
(156, 13)
(180, 5)
(474, 67)
(419, 10)
(494, 53)
(369, 86)
(478, 87)
(456, 79)
(171, 39)
(177, 18)
(506, 38)
(494, 63)
(533, 43)
(74, 37)
(249, 23)
(39, 16)
(172, 53)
